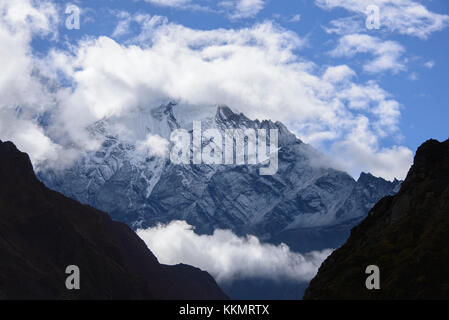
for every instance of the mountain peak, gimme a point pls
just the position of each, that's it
(225, 113)
(429, 154)
(365, 174)
(164, 109)
(367, 177)
(15, 164)
(431, 162)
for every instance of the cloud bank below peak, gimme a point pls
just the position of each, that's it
(229, 257)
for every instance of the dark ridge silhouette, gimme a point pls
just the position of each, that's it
(405, 235)
(42, 232)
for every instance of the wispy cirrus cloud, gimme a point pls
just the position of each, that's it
(295, 18)
(193, 5)
(406, 17)
(429, 64)
(240, 9)
(233, 9)
(386, 54)
(170, 3)
(346, 25)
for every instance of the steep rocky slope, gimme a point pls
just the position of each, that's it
(42, 232)
(405, 235)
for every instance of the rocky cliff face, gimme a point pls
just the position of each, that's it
(306, 196)
(366, 192)
(42, 232)
(405, 235)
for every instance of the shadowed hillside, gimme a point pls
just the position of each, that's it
(405, 235)
(42, 232)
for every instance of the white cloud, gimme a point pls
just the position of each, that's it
(198, 67)
(240, 9)
(403, 16)
(27, 135)
(360, 150)
(386, 53)
(124, 24)
(170, 3)
(295, 18)
(23, 96)
(146, 22)
(153, 145)
(346, 25)
(370, 98)
(233, 9)
(228, 257)
(338, 74)
(19, 22)
(413, 76)
(429, 64)
(183, 4)
(27, 17)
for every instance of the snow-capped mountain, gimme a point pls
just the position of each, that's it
(305, 194)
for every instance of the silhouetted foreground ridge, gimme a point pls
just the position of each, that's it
(405, 235)
(42, 232)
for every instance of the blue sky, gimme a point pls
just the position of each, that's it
(367, 98)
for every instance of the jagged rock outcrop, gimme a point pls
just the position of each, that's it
(42, 232)
(405, 235)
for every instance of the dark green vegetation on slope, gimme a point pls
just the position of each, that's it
(405, 235)
(42, 232)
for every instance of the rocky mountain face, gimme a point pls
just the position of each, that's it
(42, 232)
(405, 235)
(308, 204)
